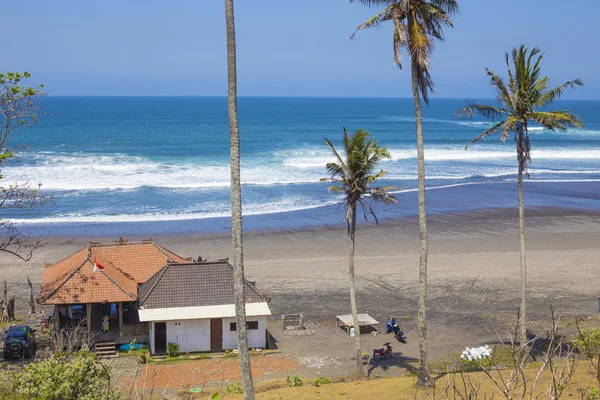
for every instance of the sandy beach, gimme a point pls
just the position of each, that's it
(473, 269)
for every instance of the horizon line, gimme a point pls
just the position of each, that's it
(290, 97)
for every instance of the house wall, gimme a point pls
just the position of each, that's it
(151, 339)
(190, 335)
(256, 337)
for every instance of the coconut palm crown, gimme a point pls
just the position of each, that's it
(354, 173)
(521, 100)
(417, 23)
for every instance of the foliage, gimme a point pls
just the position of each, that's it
(353, 174)
(417, 24)
(18, 109)
(320, 380)
(234, 388)
(64, 376)
(521, 101)
(294, 380)
(173, 349)
(587, 342)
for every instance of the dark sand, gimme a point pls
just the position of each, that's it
(473, 269)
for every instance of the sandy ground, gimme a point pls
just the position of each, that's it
(473, 277)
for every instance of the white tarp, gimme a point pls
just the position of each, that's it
(476, 353)
(226, 311)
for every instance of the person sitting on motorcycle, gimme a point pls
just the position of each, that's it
(398, 330)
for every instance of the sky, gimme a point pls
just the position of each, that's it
(285, 48)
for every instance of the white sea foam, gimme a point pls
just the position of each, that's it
(114, 172)
(289, 204)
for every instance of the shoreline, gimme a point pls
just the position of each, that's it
(449, 199)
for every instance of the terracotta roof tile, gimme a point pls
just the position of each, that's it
(126, 264)
(140, 260)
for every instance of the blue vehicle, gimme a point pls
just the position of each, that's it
(393, 327)
(19, 342)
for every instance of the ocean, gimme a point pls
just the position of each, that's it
(152, 165)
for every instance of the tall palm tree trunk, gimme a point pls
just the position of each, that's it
(523, 307)
(359, 366)
(236, 208)
(424, 378)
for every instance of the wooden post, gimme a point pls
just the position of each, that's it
(31, 302)
(88, 309)
(120, 319)
(56, 320)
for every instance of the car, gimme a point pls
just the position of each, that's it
(19, 342)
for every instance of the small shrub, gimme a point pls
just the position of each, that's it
(64, 376)
(588, 342)
(294, 380)
(320, 380)
(592, 394)
(173, 350)
(234, 388)
(444, 365)
(474, 365)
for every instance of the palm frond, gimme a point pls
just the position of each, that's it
(372, 22)
(371, 3)
(556, 120)
(550, 96)
(490, 131)
(487, 111)
(450, 7)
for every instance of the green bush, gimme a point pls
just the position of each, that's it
(588, 342)
(173, 350)
(474, 365)
(320, 380)
(234, 388)
(64, 376)
(294, 380)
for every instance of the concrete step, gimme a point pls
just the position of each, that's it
(106, 349)
(106, 356)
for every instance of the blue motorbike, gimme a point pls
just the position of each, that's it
(393, 327)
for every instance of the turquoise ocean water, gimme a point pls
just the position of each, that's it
(160, 164)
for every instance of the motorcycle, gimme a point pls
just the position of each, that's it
(393, 327)
(378, 354)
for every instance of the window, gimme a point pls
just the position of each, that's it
(250, 325)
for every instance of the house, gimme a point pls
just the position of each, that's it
(141, 289)
(192, 304)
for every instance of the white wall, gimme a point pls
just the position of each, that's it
(190, 335)
(256, 338)
(194, 334)
(151, 338)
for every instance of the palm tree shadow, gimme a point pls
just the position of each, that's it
(399, 361)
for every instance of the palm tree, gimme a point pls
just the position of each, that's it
(236, 208)
(518, 103)
(352, 175)
(417, 24)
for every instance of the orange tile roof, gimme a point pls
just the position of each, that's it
(126, 264)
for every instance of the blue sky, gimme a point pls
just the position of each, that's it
(285, 48)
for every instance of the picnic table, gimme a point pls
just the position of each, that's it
(345, 321)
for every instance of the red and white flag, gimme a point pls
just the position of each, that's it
(97, 266)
